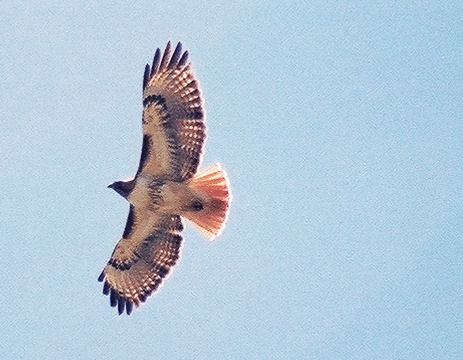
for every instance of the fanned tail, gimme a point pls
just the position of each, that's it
(214, 192)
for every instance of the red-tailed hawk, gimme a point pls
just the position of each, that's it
(167, 185)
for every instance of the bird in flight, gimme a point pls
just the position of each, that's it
(167, 186)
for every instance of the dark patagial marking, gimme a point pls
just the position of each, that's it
(172, 143)
(129, 223)
(197, 205)
(145, 150)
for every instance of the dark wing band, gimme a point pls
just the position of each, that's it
(139, 263)
(173, 117)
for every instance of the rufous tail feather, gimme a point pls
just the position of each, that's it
(213, 189)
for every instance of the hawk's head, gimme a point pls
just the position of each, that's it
(123, 188)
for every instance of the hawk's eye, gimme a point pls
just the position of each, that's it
(197, 205)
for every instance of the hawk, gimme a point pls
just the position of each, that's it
(167, 186)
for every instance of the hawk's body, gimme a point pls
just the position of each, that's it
(167, 185)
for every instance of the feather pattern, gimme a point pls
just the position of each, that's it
(139, 263)
(173, 117)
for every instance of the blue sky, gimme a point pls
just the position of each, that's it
(340, 125)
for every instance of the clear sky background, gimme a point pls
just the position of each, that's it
(340, 125)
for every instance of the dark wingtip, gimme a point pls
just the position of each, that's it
(156, 61)
(128, 306)
(106, 288)
(163, 271)
(183, 59)
(146, 76)
(165, 56)
(101, 277)
(121, 305)
(114, 297)
(166, 61)
(175, 56)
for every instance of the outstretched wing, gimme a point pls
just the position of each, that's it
(173, 117)
(144, 256)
